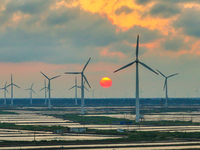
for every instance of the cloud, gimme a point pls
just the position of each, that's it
(28, 7)
(175, 44)
(123, 9)
(146, 35)
(165, 10)
(142, 2)
(189, 22)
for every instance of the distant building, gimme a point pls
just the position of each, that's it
(76, 129)
(122, 122)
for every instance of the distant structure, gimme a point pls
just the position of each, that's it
(12, 84)
(165, 86)
(82, 85)
(5, 90)
(92, 93)
(137, 79)
(76, 86)
(49, 88)
(45, 88)
(197, 91)
(31, 90)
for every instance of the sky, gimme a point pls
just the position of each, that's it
(58, 36)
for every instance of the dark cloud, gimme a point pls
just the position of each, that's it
(28, 7)
(142, 2)
(66, 35)
(123, 9)
(165, 9)
(189, 22)
(145, 34)
(175, 44)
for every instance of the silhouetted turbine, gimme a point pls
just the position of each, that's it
(137, 79)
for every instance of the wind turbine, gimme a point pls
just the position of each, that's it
(76, 86)
(5, 90)
(31, 90)
(49, 88)
(165, 85)
(12, 84)
(82, 84)
(45, 88)
(197, 91)
(92, 93)
(137, 78)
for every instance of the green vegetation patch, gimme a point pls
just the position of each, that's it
(167, 123)
(7, 112)
(100, 120)
(31, 127)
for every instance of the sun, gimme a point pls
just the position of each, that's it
(105, 82)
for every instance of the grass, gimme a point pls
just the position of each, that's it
(31, 127)
(99, 120)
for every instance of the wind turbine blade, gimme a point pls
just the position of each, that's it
(79, 87)
(161, 73)
(137, 47)
(11, 78)
(165, 84)
(72, 87)
(125, 66)
(72, 72)
(33, 91)
(28, 89)
(148, 67)
(86, 64)
(55, 77)
(172, 75)
(8, 85)
(42, 88)
(16, 86)
(86, 88)
(6, 90)
(86, 81)
(44, 75)
(31, 85)
(5, 84)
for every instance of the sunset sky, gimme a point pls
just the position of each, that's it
(57, 36)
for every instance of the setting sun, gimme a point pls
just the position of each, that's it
(105, 82)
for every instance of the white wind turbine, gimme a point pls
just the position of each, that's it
(49, 88)
(137, 79)
(12, 84)
(92, 93)
(165, 86)
(45, 88)
(82, 84)
(31, 90)
(76, 86)
(5, 90)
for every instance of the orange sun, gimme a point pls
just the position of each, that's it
(105, 82)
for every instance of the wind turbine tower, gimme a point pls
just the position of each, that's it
(12, 84)
(137, 78)
(5, 90)
(31, 90)
(92, 93)
(165, 85)
(45, 88)
(82, 85)
(75, 86)
(49, 88)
